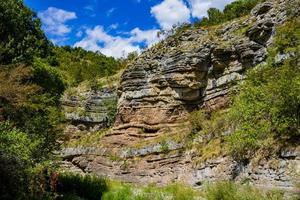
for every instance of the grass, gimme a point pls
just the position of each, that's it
(87, 140)
(122, 191)
(72, 186)
(225, 190)
(206, 151)
(231, 191)
(111, 81)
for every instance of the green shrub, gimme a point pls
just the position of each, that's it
(111, 106)
(16, 152)
(121, 193)
(77, 65)
(150, 192)
(164, 146)
(231, 11)
(231, 191)
(48, 78)
(268, 105)
(21, 176)
(87, 187)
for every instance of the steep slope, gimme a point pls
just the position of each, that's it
(194, 68)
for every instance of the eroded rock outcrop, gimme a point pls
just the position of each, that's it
(192, 69)
(88, 110)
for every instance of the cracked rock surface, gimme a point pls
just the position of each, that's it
(196, 68)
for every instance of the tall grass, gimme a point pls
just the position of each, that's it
(151, 192)
(231, 191)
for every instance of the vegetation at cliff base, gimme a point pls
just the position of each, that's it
(264, 114)
(93, 188)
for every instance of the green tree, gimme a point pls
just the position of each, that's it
(215, 16)
(231, 11)
(20, 33)
(77, 65)
(16, 151)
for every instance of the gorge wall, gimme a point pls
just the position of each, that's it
(195, 68)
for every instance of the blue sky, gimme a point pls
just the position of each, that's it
(115, 27)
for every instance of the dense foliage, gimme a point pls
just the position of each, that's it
(16, 153)
(231, 11)
(72, 186)
(264, 116)
(267, 108)
(34, 74)
(19, 30)
(77, 65)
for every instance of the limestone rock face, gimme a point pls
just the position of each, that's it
(88, 110)
(194, 68)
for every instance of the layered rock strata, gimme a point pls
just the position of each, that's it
(194, 68)
(88, 110)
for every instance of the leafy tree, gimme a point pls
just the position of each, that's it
(215, 16)
(20, 33)
(16, 85)
(77, 65)
(16, 150)
(48, 78)
(231, 11)
(239, 8)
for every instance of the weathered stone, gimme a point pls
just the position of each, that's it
(88, 109)
(196, 68)
(262, 8)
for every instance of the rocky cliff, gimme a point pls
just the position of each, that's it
(195, 68)
(88, 110)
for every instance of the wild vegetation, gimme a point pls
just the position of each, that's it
(264, 114)
(71, 187)
(33, 75)
(78, 65)
(265, 111)
(231, 11)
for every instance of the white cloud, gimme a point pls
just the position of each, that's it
(171, 12)
(113, 26)
(89, 8)
(199, 7)
(150, 37)
(97, 39)
(54, 20)
(110, 11)
(79, 34)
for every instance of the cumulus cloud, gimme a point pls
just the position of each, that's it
(170, 12)
(97, 39)
(54, 20)
(199, 7)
